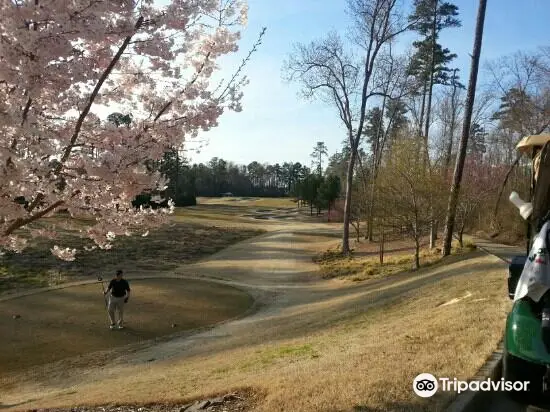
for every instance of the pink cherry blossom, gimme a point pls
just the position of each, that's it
(64, 254)
(63, 65)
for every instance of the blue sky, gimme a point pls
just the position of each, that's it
(276, 125)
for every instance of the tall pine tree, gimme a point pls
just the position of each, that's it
(429, 63)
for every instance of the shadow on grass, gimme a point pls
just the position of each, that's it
(8, 406)
(387, 250)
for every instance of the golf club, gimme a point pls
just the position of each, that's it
(100, 279)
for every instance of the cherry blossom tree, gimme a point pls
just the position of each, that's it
(62, 63)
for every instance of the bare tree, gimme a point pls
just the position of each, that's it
(393, 76)
(448, 113)
(523, 82)
(459, 167)
(408, 198)
(329, 71)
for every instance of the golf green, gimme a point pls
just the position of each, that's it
(65, 323)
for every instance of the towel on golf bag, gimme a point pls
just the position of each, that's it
(535, 277)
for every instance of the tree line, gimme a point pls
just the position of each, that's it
(413, 130)
(219, 177)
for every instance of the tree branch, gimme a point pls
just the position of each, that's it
(22, 222)
(95, 92)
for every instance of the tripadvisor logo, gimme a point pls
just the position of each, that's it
(426, 385)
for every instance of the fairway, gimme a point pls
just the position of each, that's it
(64, 323)
(281, 202)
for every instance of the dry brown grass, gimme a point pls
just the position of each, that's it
(510, 238)
(324, 348)
(357, 351)
(163, 250)
(368, 361)
(366, 266)
(77, 323)
(283, 202)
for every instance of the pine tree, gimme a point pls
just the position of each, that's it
(374, 128)
(429, 63)
(515, 110)
(476, 143)
(319, 151)
(396, 118)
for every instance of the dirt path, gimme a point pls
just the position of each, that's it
(291, 301)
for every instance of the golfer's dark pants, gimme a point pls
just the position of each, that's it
(116, 304)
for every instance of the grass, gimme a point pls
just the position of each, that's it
(236, 215)
(366, 357)
(355, 347)
(228, 218)
(357, 352)
(282, 202)
(469, 244)
(13, 278)
(163, 250)
(510, 238)
(284, 354)
(335, 265)
(77, 323)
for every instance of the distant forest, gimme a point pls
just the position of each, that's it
(218, 177)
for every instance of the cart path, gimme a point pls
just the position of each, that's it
(276, 268)
(505, 252)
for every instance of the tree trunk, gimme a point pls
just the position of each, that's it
(416, 251)
(433, 232)
(377, 155)
(428, 114)
(382, 247)
(501, 190)
(449, 151)
(176, 188)
(358, 231)
(422, 108)
(460, 233)
(459, 167)
(370, 218)
(328, 213)
(430, 86)
(347, 203)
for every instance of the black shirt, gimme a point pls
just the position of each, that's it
(119, 287)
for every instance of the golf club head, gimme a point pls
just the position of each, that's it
(99, 278)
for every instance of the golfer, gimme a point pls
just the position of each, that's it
(119, 289)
